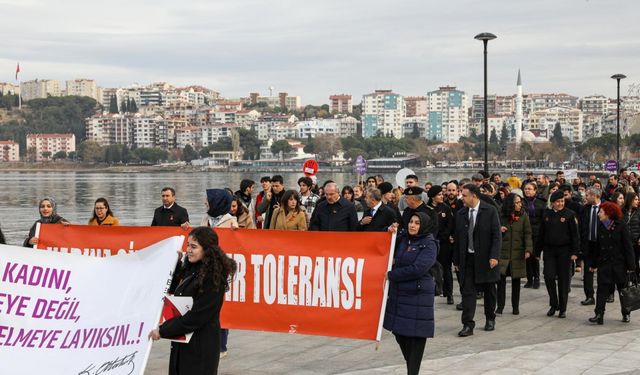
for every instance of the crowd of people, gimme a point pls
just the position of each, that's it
(482, 230)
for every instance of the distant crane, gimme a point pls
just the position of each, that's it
(634, 89)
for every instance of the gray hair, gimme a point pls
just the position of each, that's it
(374, 193)
(594, 191)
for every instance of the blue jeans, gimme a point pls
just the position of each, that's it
(224, 336)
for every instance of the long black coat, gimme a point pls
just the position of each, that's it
(202, 354)
(410, 306)
(338, 217)
(487, 242)
(614, 254)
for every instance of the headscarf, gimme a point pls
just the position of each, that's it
(54, 217)
(219, 201)
(426, 224)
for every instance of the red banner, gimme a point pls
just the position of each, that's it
(318, 283)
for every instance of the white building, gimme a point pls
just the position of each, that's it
(595, 105)
(382, 113)
(47, 145)
(341, 103)
(83, 87)
(448, 118)
(9, 88)
(570, 120)
(39, 89)
(9, 151)
(131, 130)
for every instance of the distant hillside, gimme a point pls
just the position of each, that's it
(51, 115)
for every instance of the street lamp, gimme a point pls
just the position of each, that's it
(618, 77)
(485, 38)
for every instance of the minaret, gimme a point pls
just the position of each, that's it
(518, 124)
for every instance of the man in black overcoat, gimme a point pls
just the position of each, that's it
(378, 217)
(478, 243)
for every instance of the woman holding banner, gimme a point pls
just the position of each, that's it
(409, 313)
(102, 214)
(289, 215)
(48, 215)
(204, 275)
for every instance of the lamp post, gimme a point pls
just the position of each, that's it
(485, 38)
(618, 77)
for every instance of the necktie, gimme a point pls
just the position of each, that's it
(373, 212)
(594, 218)
(470, 233)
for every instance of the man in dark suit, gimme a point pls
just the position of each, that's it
(588, 224)
(379, 217)
(170, 214)
(478, 243)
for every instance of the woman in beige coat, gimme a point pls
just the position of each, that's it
(289, 215)
(241, 213)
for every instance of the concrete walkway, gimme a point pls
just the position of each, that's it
(529, 343)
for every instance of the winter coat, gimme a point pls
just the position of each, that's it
(109, 220)
(613, 255)
(245, 221)
(202, 354)
(632, 220)
(410, 306)
(487, 241)
(224, 221)
(294, 220)
(516, 241)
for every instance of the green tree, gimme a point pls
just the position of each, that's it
(46, 155)
(60, 155)
(188, 154)
(504, 136)
(113, 104)
(133, 107)
(90, 151)
(153, 155)
(249, 143)
(281, 145)
(415, 133)
(123, 107)
(493, 138)
(556, 138)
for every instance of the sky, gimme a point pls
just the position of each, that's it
(317, 48)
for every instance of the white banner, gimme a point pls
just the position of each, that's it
(71, 314)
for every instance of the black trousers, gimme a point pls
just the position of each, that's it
(533, 269)
(588, 275)
(445, 257)
(412, 350)
(515, 292)
(557, 265)
(604, 290)
(469, 290)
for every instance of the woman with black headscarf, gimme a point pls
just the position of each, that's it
(409, 313)
(218, 206)
(48, 215)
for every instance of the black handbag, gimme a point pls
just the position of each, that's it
(630, 295)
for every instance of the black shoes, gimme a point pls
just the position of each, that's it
(449, 300)
(599, 318)
(563, 314)
(626, 318)
(551, 312)
(611, 298)
(516, 311)
(499, 311)
(479, 295)
(528, 284)
(459, 307)
(490, 325)
(536, 283)
(588, 301)
(466, 331)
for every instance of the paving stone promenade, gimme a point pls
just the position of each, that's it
(529, 343)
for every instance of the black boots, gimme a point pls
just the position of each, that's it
(598, 318)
